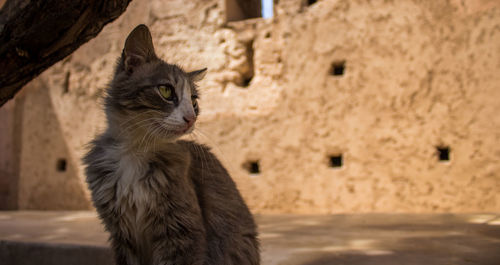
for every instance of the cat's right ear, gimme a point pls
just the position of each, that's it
(197, 75)
(138, 48)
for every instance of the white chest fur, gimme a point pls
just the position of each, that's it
(131, 169)
(133, 196)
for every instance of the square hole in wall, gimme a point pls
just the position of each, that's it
(337, 68)
(237, 10)
(335, 161)
(311, 2)
(61, 165)
(443, 153)
(252, 167)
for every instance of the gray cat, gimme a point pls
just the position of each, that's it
(163, 200)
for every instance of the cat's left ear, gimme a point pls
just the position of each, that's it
(138, 48)
(197, 75)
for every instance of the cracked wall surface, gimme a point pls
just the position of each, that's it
(417, 76)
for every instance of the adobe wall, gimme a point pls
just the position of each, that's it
(407, 77)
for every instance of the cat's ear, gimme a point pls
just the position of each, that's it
(138, 48)
(197, 75)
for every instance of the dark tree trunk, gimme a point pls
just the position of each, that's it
(35, 34)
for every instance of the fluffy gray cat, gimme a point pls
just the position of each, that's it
(163, 200)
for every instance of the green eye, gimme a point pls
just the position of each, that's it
(165, 91)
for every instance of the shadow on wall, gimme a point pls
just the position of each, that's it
(45, 176)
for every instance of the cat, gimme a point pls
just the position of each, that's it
(163, 200)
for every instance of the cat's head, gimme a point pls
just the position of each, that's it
(149, 97)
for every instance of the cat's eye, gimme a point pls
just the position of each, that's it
(165, 91)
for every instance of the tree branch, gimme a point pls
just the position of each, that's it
(34, 35)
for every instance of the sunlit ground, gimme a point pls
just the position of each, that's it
(78, 238)
(381, 239)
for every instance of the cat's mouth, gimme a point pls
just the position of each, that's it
(188, 129)
(182, 130)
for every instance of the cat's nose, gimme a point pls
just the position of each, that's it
(189, 120)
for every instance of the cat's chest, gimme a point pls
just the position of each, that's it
(136, 184)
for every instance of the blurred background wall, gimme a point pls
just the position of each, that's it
(328, 106)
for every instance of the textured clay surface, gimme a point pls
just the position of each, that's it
(339, 106)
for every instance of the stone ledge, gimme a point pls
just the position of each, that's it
(53, 238)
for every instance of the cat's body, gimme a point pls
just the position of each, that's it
(164, 201)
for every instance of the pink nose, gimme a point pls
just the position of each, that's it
(189, 120)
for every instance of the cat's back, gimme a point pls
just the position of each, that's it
(230, 225)
(205, 169)
(211, 179)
